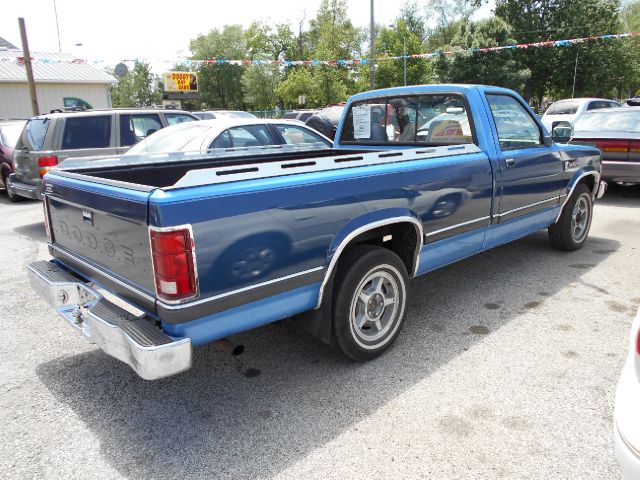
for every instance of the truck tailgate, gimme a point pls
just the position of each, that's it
(102, 231)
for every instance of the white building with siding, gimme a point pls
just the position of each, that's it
(55, 81)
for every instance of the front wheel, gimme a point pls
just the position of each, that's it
(572, 228)
(369, 303)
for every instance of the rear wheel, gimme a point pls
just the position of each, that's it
(572, 228)
(369, 303)
(13, 198)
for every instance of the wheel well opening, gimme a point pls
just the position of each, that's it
(401, 238)
(590, 182)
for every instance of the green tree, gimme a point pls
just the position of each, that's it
(299, 81)
(491, 68)
(630, 22)
(552, 68)
(276, 43)
(220, 85)
(449, 17)
(332, 36)
(260, 84)
(137, 88)
(404, 37)
(630, 16)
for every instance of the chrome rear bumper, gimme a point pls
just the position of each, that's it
(131, 339)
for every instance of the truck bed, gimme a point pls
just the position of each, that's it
(165, 170)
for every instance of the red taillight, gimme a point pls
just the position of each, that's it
(174, 263)
(46, 164)
(634, 146)
(613, 146)
(638, 340)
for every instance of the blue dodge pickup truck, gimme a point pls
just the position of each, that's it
(153, 256)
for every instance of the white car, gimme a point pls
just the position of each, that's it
(626, 418)
(228, 132)
(212, 114)
(570, 109)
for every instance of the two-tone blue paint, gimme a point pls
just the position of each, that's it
(303, 222)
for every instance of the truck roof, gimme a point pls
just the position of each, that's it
(416, 89)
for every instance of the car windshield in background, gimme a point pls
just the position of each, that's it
(563, 108)
(176, 118)
(623, 120)
(240, 115)
(333, 114)
(10, 133)
(168, 139)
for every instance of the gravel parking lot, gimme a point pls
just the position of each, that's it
(506, 368)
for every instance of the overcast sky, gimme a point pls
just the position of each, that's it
(126, 29)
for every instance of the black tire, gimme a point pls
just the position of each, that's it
(12, 197)
(363, 329)
(571, 230)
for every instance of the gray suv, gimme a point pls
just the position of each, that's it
(48, 140)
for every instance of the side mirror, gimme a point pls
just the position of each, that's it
(561, 132)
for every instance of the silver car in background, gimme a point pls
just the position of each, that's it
(229, 133)
(48, 140)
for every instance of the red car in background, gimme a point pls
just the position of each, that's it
(10, 131)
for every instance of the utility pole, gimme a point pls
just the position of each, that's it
(404, 57)
(575, 71)
(27, 66)
(372, 66)
(55, 11)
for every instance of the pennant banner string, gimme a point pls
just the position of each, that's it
(358, 61)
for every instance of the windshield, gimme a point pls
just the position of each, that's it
(622, 120)
(170, 139)
(238, 114)
(333, 114)
(563, 108)
(10, 133)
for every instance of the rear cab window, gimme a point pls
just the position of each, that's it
(87, 132)
(432, 120)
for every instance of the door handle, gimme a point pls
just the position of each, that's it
(510, 161)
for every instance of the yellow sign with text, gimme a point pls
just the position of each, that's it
(180, 82)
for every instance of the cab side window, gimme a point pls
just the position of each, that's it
(516, 127)
(409, 120)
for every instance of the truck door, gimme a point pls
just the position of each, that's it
(531, 172)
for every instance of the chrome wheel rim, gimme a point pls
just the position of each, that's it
(374, 308)
(580, 218)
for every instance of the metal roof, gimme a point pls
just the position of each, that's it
(47, 68)
(6, 44)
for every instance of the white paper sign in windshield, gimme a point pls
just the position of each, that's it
(361, 121)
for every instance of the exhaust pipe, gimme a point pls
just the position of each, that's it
(227, 346)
